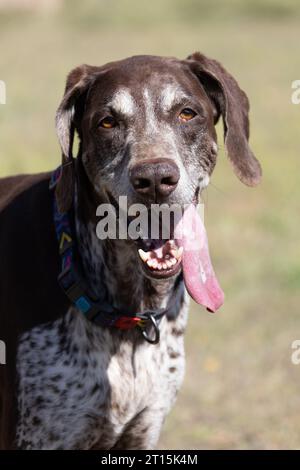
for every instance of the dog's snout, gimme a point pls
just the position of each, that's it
(155, 178)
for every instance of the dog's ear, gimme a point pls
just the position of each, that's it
(232, 103)
(78, 83)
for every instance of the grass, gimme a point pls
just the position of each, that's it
(241, 389)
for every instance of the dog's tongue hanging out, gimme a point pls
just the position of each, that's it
(198, 273)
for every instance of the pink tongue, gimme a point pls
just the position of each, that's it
(198, 273)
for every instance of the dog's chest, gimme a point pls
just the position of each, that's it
(80, 385)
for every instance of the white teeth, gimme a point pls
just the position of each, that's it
(179, 252)
(160, 265)
(158, 261)
(143, 255)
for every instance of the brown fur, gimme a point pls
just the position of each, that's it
(54, 355)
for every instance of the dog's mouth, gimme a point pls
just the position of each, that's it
(187, 249)
(160, 258)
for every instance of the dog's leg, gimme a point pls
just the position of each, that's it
(142, 432)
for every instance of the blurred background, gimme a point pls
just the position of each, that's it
(241, 389)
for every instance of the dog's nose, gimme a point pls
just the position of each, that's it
(155, 178)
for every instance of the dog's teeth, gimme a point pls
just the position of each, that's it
(149, 262)
(143, 255)
(177, 252)
(162, 262)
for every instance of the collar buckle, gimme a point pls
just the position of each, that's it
(153, 339)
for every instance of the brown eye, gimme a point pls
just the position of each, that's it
(187, 114)
(108, 122)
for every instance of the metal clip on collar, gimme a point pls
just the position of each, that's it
(154, 324)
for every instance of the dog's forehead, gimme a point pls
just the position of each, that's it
(128, 84)
(126, 100)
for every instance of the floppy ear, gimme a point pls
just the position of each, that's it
(78, 82)
(232, 103)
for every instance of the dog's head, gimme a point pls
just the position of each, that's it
(146, 127)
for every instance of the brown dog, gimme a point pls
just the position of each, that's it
(146, 130)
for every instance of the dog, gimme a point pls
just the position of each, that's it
(146, 129)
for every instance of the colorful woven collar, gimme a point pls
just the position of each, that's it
(99, 312)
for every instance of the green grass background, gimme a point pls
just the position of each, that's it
(241, 390)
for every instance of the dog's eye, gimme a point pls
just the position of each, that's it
(187, 114)
(108, 122)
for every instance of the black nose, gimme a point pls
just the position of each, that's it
(156, 178)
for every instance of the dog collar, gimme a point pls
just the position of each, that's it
(98, 311)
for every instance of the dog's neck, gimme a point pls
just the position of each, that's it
(111, 267)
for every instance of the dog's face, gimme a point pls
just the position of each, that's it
(148, 132)
(146, 126)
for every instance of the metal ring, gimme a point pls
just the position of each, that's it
(154, 340)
